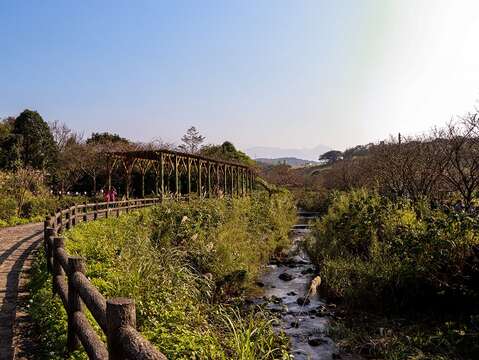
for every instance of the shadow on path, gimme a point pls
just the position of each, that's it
(10, 250)
(10, 276)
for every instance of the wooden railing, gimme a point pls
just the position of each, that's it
(116, 317)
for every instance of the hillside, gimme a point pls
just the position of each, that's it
(291, 161)
(265, 152)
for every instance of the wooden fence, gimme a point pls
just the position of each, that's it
(116, 317)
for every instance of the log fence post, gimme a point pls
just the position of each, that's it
(60, 220)
(68, 218)
(120, 312)
(58, 242)
(85, 210)
(74, 218)
(49, 233)
(95, 211)
(75, 264)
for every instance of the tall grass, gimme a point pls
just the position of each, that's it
(187, 265)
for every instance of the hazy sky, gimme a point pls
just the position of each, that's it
(273, 73)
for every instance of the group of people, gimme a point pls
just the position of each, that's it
(109, 195)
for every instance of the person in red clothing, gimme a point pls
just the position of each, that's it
(106, 195)
(113, 194)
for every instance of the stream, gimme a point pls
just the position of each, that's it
(285, 284)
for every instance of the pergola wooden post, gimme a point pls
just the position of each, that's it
(199, 184)
(189, 176)
(225, 182)
(128, 164)
(217, 189)
(143, 166)
(162, 175)
(209, 178)
(177, 183)
(110, 165)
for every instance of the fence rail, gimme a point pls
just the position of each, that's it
(116, 317)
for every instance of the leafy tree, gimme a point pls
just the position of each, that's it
(69, 169)
(192, 141)
(6, 126)
(9, 145)
(227, 152)
(38, 148)
(105, 138)
(331, 156)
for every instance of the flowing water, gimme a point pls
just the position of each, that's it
(285, 285)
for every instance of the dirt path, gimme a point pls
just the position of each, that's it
(16, 250)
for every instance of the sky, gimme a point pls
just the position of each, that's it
(290, 74)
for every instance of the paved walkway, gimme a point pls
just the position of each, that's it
(16, 250)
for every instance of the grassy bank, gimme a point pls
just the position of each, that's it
(404, 274)
(188, 266)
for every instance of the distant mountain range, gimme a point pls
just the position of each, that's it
(264, 152)
(291, 161)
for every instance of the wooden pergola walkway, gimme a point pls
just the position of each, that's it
(180, 173)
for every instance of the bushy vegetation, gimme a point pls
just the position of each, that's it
(379, 252)
(316, 200)
(24, 197)
(399, 257)
(188, 267)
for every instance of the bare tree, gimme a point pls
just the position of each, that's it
(63, 135)
(412, 167)
(463, 148)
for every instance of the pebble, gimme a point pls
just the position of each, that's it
(316, 341)
(285, 276)
(303, 301)
(307, 271)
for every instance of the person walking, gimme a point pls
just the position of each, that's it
(113, 194)
(106, 195)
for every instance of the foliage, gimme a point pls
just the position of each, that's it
(35, 140)
(183, 263)
(399, 269)
(9, 144)
(316, 200)
(227, 152)
(106, 138)
(20, 184)
(438, 337)
(24, 197)
(252, 334)
(282, 175)
(331, 156)
(378, 253)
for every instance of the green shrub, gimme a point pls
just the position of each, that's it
(313, 200)
(38, 205)
(183, 263)
(8, 208)
(377, 253)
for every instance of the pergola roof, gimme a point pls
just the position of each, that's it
(156, 154)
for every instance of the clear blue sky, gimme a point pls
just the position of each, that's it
(274, 73)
